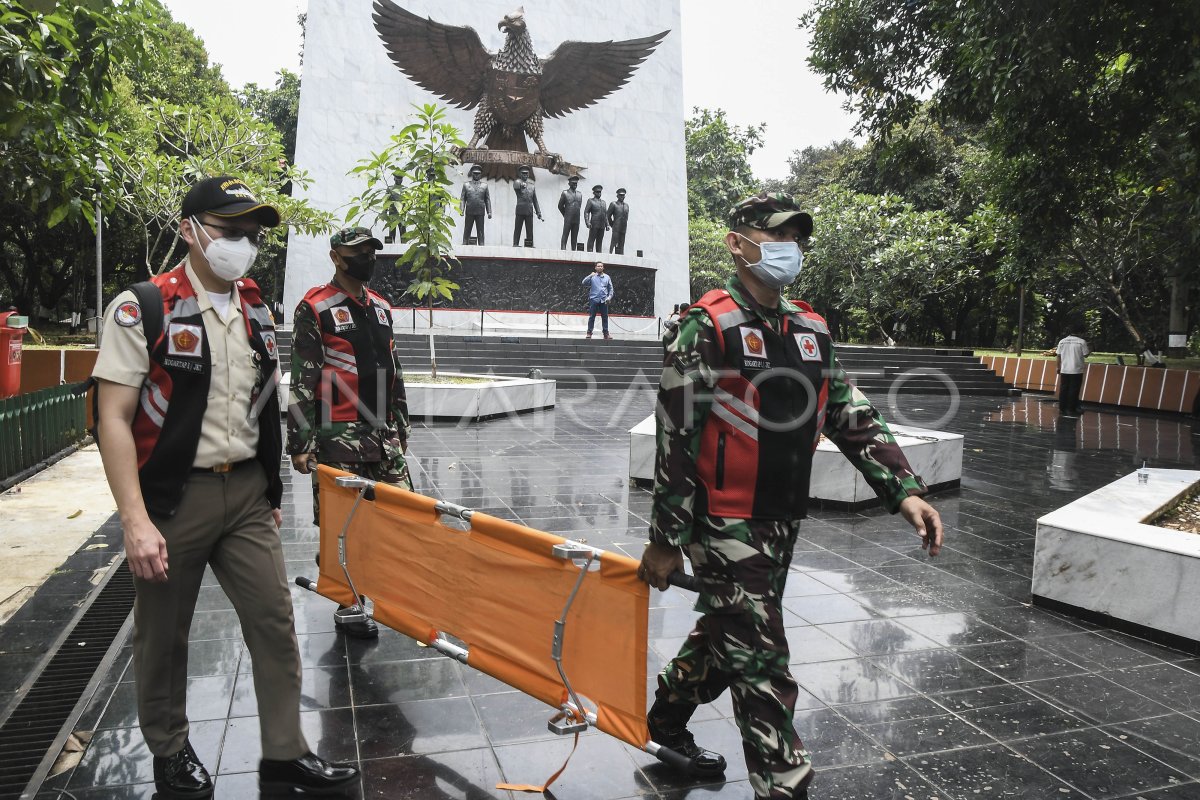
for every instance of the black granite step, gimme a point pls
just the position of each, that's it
(622, 363)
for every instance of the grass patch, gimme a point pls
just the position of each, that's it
(1183, 516)
(443, 380)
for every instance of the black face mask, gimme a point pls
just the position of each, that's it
(360, 267)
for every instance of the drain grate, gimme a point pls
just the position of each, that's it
(38, 719)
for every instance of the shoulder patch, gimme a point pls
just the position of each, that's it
(128, 314)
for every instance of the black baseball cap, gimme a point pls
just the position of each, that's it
(228, 197)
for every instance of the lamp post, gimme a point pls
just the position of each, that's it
(101, 170)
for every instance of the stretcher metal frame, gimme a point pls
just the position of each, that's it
(573, 716)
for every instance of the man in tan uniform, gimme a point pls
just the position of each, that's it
(189, 432)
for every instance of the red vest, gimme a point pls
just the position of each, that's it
(767, 411)
(174, 395)
(358, 379)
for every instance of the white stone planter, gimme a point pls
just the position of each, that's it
(500, 396)
(934, 455)
(1097, 554)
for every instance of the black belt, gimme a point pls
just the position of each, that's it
(223, 468)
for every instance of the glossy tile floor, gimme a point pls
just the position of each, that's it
(919, 679)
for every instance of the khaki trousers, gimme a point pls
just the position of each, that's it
(224, 520)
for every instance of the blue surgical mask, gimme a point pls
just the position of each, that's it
(779, 262)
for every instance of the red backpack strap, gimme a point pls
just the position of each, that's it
(715, 303)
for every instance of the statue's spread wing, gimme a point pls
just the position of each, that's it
(449, 61)
(580, 74)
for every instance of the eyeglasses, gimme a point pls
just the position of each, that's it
(237, 234)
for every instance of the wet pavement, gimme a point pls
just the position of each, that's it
(919, 678)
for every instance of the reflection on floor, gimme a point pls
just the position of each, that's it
(918, 678)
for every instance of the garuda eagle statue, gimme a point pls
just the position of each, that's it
(514, 90)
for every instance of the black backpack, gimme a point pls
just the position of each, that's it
(149, 298)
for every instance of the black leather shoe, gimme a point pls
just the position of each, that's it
(669, 729)
(351, 621)
(182, 775)
(309, 773)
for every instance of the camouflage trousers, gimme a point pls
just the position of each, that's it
(739, 644)
(393, 469)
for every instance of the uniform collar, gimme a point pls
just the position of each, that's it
(363, 300)
(235, 301)
(746, 300)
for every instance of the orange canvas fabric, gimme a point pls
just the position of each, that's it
(498, 588)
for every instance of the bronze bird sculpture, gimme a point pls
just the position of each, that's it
(514, 90)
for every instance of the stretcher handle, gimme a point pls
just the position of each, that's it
(306, 583)
(684, 581)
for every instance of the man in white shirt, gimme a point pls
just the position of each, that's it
(1071, 354)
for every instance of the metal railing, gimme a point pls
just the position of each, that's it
(37, 425)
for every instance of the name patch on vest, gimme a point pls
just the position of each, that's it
(342, 320)
(809, 349)
(185, 340)
(754, 349)
(183, 364)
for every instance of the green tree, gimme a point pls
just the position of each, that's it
(180, 71)
(718, 162)
(279, 107)
(56, 95)
(423, 152)
(1082, 107)
(710, 262)
(878, 260)
(813, 168)
(55, 90)
(182, 143)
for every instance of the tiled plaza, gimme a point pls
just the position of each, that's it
(919, 678)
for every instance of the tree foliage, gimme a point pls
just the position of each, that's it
(1082, 116)
(718, 162)
(711, 263)
(113, 104)
(876, 259)
(56, 90)
(180, 144)
(422, 154)
(279, 107)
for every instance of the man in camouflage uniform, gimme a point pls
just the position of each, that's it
(744, 362)
(348, 409)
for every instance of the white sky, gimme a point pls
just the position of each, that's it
(253, 39)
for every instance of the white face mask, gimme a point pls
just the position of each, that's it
(779, 262)
(228, 259)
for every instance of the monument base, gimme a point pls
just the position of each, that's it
(498, 397)
(1097, 557)
(934, 455)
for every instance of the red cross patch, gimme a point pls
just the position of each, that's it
(809, 349)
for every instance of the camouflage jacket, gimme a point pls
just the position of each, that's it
(692, 361)
(331, 441)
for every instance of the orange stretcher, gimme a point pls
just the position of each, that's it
(559, 620)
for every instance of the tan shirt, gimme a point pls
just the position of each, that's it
(228, 432)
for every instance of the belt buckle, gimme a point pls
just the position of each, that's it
(223, 468)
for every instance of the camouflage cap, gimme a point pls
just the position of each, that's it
(767, 210)
(348, 237)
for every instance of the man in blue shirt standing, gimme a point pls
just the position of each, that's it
(600, 291)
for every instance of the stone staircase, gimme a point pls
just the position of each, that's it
(621, 364)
